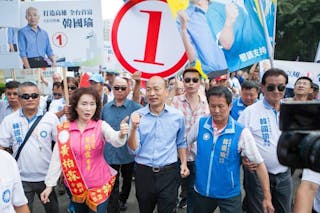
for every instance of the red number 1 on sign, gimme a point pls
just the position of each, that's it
(59, 38)
(152, 38)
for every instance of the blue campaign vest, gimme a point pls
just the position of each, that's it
(237, 107)
(218, 161)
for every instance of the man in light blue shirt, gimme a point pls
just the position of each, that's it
(198, 40)
(157, 135)
(34, 43)
(119, 158)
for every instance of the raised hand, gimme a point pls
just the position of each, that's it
(137, 76)
(124, 127)
(135, 120)
(232, 12)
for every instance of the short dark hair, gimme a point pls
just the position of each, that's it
(76, 97)
(27, 84)
(172, 77)
(304, 78)
(108, 86)
(190, 70)
(315, 87)
(71, 80)
(12, 85)
(248, 84)
(220, 91)
(273, 72)
(57, 85)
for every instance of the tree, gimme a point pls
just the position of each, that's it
(298, 29)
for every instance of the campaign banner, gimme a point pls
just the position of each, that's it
(294, 69)
(269, 11)
(10, 10)
(225, 33)
(75, 30)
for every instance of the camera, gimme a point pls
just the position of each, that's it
(299, 143)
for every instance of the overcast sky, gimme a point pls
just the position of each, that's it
(110, 8)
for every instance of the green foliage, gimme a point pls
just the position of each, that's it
(298, 29)
(2, 86)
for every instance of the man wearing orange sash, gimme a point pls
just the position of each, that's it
(79, 153)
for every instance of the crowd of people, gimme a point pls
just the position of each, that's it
(190, 134)
(182, 132)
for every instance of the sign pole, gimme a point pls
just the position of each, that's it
(266, 34)
(65, 85)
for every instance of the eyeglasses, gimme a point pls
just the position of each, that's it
(122, 88)
(57, 94)
(72, 87)
(194, 80)
(28, 96)
(272, 87)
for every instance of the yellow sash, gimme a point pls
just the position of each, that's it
(79, 190)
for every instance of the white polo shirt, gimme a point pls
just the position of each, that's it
(35, 156)
(314, 177)
(56, 106)
(263, 122)
(11, 190)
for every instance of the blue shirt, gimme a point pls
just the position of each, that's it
(237, 107)
(249, 44)
(34, 44)
(5, 109)
(159, 137)
(113, 115)
(12, 36)
(206, 46)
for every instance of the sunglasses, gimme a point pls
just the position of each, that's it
(28, 96)
(57, 94)
(72, 87)
(117, 88)
(188, 80)
(272, 87)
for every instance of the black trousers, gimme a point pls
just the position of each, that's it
(32, 188)
(126, 171)
(38, 62)
(157, 187)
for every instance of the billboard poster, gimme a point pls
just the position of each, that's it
(224, 34)
(75, 30)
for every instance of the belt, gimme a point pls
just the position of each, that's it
(280, 174)
(157, 169)
(40, 58)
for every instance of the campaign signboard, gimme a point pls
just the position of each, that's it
(75, 30)
(144, 38)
